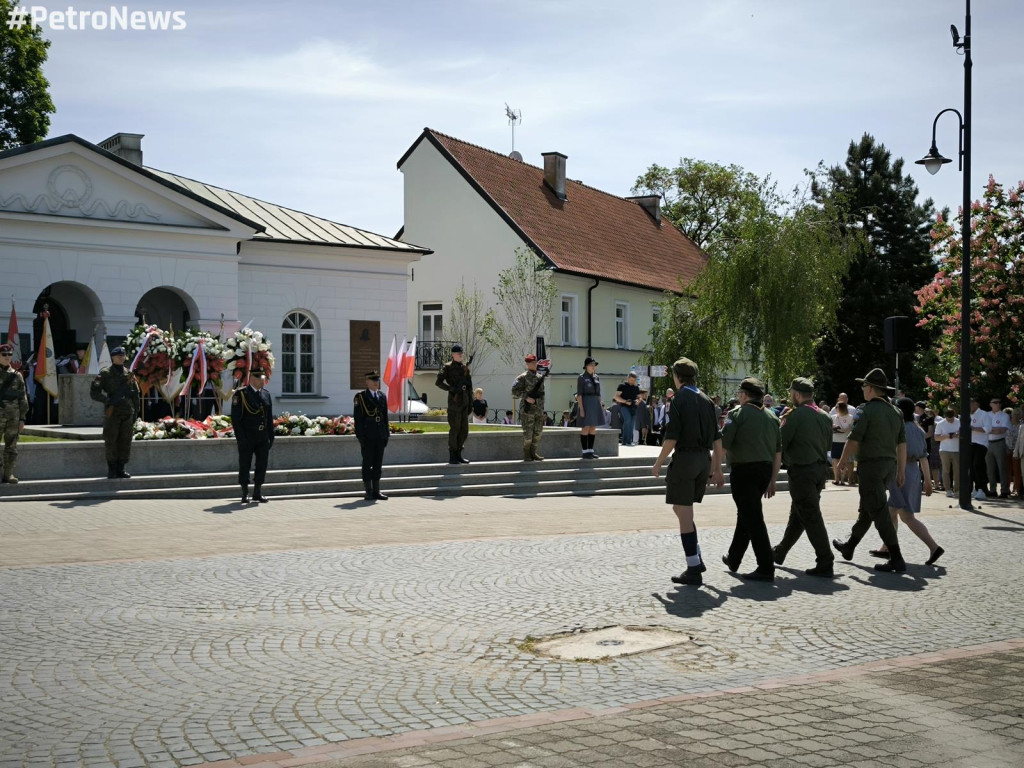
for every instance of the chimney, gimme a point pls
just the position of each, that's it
(554, 172)
(125, 145)
(651, 204)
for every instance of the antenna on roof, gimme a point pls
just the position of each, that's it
(514, 116)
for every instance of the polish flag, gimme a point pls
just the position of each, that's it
(12, 336)
(409, 360)
(392, 377)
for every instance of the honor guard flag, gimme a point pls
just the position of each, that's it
(46, 364)
(84, 368)
(409, 360)
(102, 361)
(12, 336)
(392, 376)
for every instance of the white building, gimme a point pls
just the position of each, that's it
(613, 259)
(105, 241)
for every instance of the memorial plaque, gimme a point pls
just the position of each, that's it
(364, 350)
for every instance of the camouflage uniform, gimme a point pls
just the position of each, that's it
(118, 390)
(531, 415)
(455, 379)
(13, 410)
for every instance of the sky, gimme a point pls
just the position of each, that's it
(310, 105)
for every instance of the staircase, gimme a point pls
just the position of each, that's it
(625, 475)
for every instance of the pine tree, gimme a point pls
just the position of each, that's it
(892, 263)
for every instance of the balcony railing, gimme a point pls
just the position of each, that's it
(431, 355)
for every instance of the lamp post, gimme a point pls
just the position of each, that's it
(932, 162)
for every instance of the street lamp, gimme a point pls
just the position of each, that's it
(933, 161)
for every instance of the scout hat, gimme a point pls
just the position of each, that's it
(752, 386)
(530, 359)
(116, 351)
(373, 376)
(588, 361)
(684, 366)
(802, 384)
(876, 377)
(456, 347)
(6, 349)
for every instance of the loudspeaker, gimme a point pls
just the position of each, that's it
(897, 334)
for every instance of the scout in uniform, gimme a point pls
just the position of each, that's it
(13, 410)
(879, 440)
(806, 439)
(454, 379)
(370, 412)
(118, 390)
(252, 417)
(753, 449)
(529, 387)
(692, 433)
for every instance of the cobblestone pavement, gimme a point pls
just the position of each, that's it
(967, 713)
(179, 662)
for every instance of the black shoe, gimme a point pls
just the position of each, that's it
(111, 470)
(778, 557)
(245, 499)
(882, 553)
(939, 552)
(461, 460)
(453, 458)
(259, 497)
(376, 491)
(843, 548)
(594, 456)
(732, 568)
(893, 566)
(702, 568)
(690, 576)
(825, 571)
(368, 488)
(758, 576)
(121, 473)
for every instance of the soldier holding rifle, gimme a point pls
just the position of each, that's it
(118, 390)
(529, 388)
(454, 378)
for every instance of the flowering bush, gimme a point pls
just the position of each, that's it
(243, 347)
(154, 367)
(997, 300)
(186, 344)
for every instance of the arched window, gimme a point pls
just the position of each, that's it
(298, 354)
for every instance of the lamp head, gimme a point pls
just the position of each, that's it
(933, 161)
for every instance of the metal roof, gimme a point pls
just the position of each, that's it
(285, 224)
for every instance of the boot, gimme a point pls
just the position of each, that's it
(458, 455)
(121, 473)
(843, 548)
(690, 576)
(111, 470)
(453, 457)
(245, 494)
(527, 453)
(533, 452)
(896, 562)
(369, 495)
(8, 476)
(257, 495)
(376, 491)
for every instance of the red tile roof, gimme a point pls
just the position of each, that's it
(591, 233)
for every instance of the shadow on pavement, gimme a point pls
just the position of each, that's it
(815, 585)
(911, 581)
(1005, 528)
(356, 504)
(228, 507)
(996, 517)
(73, 503)
(690, 602)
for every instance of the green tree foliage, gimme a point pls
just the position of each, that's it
(997, 301)
(25, 105)
(773, 282)
(526, 294)
(871, 196)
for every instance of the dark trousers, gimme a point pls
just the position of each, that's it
(979, 470)
(874, 476)
(805, 486)
(458, 427)
(117, 435)
(748, 482)
(373, 459)
(246, 450)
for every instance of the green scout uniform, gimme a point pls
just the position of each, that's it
(531, 415)
(878, 432)
(454, 378)
(693, 426)
(806, 440)
(751, 439)
(118, 390)
(13, 410)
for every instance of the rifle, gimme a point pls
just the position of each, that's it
(543, 367)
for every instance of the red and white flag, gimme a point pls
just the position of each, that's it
(409, 360)
(12, 336)
(392, 376)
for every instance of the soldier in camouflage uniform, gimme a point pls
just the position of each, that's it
(118, 390)
(13, 410)
(454, 378)
(529, 388)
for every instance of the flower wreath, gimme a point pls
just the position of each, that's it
(245, 350)
(151, 352)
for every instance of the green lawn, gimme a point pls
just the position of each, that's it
(34, 439)
(442, 426)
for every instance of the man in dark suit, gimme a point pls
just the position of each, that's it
(370, 412)
(252, 417)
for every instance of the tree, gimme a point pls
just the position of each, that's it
(997, 301)
(470, 322)
(526, 294)
(706, 201)
(871, 196)
(767, 297)
(25, 104)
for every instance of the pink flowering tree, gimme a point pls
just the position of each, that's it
(997, 303)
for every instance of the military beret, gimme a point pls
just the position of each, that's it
(752, 386)
(456, 347)
(6, 349)
(684, 366)
(802, 384)
(117, 351)
(530, 359)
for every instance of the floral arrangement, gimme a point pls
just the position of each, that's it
(170, 428)
(300, 425)
(399, 430)
(151, 355)
(244, 350)
(186, 347)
